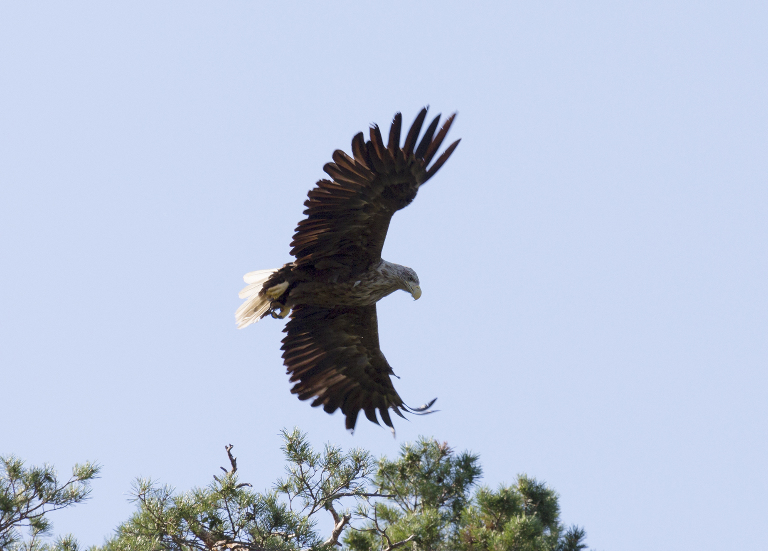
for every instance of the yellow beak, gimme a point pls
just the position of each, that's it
(416, 292)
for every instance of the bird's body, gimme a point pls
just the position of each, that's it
(332, 348)
(292, 286)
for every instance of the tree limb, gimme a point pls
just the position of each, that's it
(338, 528)
(232, 460)
(399, 543)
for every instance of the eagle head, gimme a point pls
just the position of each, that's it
(410, 282)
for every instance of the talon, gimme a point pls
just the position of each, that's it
(279, 311)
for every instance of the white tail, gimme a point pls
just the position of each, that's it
(254, 306)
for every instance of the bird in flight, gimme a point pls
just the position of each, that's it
(331, 348)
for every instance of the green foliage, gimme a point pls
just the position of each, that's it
(226, 511)
(524, 516)
(427, 487)
(429, 476)
(27, 495)
(318, 480)
(431, 507)
(229, 514)
(425, 499)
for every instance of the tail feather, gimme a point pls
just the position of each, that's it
(259, 276)
(255, 305)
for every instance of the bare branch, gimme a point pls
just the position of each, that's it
(382, 531)
(358, 494)
(232, 460)
(399, 543)
(338, 528)
(233, 470)
(402, 501)
(234, 545)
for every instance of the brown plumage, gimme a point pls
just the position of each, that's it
(331, 348)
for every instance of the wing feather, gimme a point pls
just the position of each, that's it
(334, 359)
(426, 140)
(441, 159)
(347, 217)
(438, 140)
(413, 133)
(379, 165)
(394, 134)
(359, 151)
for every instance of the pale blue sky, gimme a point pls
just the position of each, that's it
(593, 256)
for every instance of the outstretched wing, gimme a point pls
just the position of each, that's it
(334, 357)
(348, 216)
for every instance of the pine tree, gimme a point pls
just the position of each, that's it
(423, 500)
(27, 495)
(426, 499)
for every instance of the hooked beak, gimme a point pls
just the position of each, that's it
(415, 292)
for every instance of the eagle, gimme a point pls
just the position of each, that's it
(331, 347)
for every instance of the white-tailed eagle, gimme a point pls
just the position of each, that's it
(331, 348)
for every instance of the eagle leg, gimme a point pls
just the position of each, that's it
(276, 290)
